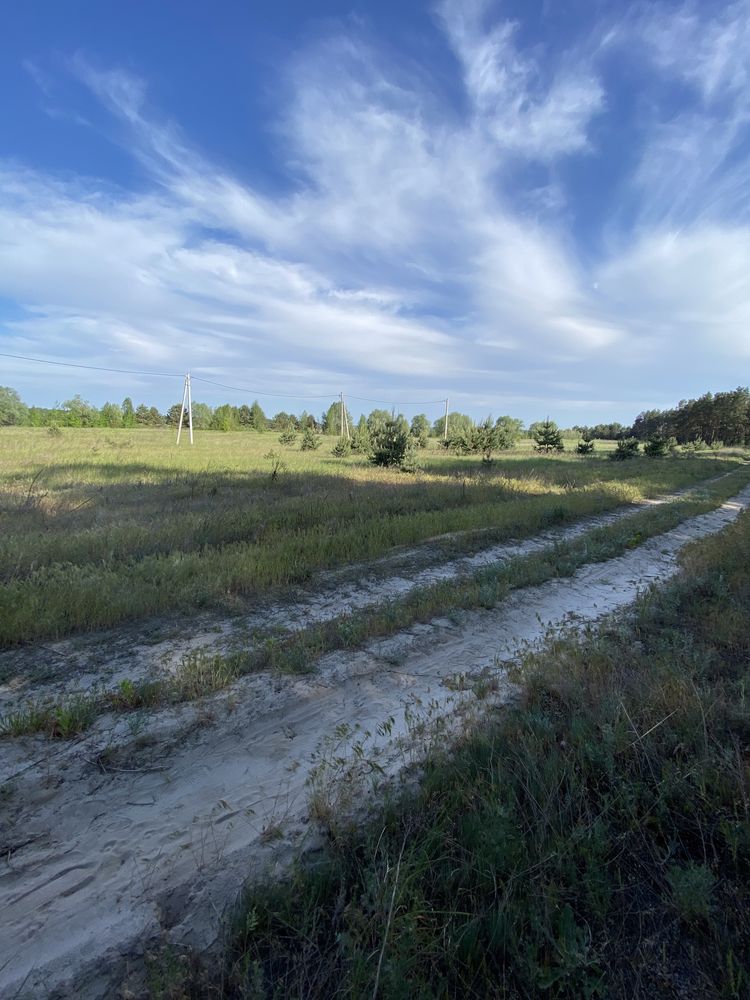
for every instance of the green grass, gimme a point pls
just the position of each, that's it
(201, 673)
(591, 839)
(103, 527)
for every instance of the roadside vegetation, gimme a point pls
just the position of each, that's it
(591, 839)
(99, 528)
(202, 673)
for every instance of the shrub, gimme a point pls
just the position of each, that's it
(655, 447)
(342, 448)
(310, 440)
(694, 446)
(278, 465)
(692, 887)
(547, 437)
(585, 447)
(288, 436)
(411, 461)
(392, 445)
(626, 448)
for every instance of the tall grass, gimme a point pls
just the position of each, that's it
(590, 840)
(101, 527)
(204, 672)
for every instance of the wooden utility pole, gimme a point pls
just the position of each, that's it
(445, 423)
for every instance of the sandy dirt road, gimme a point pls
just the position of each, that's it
(97, 863)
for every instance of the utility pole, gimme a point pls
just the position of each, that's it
(445, 423)
(187, 403)
(341, 430)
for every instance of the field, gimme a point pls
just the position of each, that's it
(240, 656)
(102, 527)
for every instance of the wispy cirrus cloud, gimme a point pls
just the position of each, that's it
(406, 245)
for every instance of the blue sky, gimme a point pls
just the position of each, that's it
(530, 208)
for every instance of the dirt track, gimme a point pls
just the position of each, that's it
(97, 864)
(53, 669)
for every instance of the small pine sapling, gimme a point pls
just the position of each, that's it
(310, 440)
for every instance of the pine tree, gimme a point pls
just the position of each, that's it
(547, 437)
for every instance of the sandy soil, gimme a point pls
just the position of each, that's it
(127, 836)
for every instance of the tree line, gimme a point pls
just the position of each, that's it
(721, 417)
(78, 412)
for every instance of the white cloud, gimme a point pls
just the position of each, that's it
(403, 250)
(522, 110)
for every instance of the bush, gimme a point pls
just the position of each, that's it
(278, 465)
(547, 437)
(692, 447)
(392, 445)
(655, 447)
(310, 440)
(626, 448)
(585, 447)
(342, 448)
(288, 436)
(411, 461)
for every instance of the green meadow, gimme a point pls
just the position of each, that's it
(100, 527)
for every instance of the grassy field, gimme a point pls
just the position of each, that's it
(102, 527)
(591, 840)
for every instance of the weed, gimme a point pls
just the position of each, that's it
(692, 887)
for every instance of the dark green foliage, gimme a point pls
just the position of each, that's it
(626, 448)
(288, 436)
(724, 416)
(310, 440)
(393, 445)
(585, 447)
(484, 439)
(342, 448)
(601, 432)
(389, 443)
(655, 447)
(547, 437)
(411, 461)
(591, 841)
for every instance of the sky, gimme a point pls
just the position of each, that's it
(532, 207)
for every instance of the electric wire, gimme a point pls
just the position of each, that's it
(259, 392)
(220, 385)
(93, 368)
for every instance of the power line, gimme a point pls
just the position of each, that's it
(390, 402)
(260, 392)
(91, 368)
(220, 385)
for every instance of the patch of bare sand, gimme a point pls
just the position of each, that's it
(100, 862)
